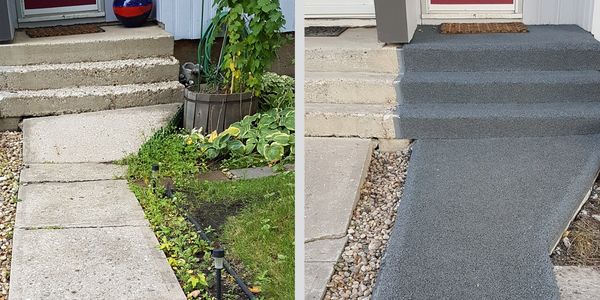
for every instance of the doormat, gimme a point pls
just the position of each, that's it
(460, 28)
(63, 30)
(323, 31)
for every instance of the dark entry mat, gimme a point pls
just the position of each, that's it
(63, 30)
(322, 31)
(461, 28)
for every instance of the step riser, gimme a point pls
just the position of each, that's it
(26, 106)
(318, 124)
(94, 76)
(500, 60)
(352, 60)
(498, 92)
(349, 91)
(415, 127)
(24, 54)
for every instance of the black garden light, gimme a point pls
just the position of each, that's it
(218, 256)
(155, 169)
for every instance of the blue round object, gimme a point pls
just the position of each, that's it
(132, 13)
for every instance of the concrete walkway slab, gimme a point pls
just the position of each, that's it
(90, 263)
(334, 170)
(79, 204)
(578, 283)
(39, 173)
(103, 136)
(316, 278)
(478, 218)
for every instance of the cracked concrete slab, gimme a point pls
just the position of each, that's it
(335, 168)
(37, 173)
(78, 204)
(326, 250)
(103, 136)
(90, 263)
(478, 218)
(316, 277)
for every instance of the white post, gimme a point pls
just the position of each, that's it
(596, 20)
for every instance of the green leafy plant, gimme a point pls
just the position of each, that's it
(276, 91)
(260, 139)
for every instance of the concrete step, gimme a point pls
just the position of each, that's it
(350, 120)
(349, 88)
(87, 99)
(355, 50)
(544, 48)
(103, 136)
(115, 43)
(500, 87)
(423, 121)
(117, 72)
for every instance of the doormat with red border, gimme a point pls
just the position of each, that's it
(460, 28)
(63, 30)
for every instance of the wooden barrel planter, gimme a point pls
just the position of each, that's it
(216, 111)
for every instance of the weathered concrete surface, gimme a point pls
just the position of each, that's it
(478, 218)
(117, 42)
(260, 172)
(316, 278)
(578, 283)
(38, 173)
(9, 124)
(333, 184)
(350, 120)
(92, 137)
(320, 259)
(355, 50)
(349, 88)
(105, 73)
(392, 145)
(78, 204)
(87, 99)
(90, 263)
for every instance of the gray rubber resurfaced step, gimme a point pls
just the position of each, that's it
(500, 87)
(558, 47)
(420, 121)
(478, 218)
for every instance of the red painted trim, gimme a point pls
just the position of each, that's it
(132, 11)
(472, 1)
(35, 4)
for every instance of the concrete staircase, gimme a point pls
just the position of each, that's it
(349, 85)
(118, 68)
(543, 83)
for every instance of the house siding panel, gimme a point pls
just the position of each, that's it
(578, 12)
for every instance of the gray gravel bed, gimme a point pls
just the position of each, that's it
(11, 161)
(355, 273)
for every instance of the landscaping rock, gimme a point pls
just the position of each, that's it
(370, 227)
(10, 167)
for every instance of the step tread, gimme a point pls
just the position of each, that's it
(91, 90)
(352, 38)
(518, 77)
(497, 110)
(539, 37)
(349, 76)
(354, 109)
(112, 64)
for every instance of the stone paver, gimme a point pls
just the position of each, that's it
(90, 263)
(316, 277)
(78, 204)
(334, 170)
(92, 137)
(253, 173)
(37, 173)
(578, 283)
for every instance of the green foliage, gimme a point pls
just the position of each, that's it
(168, 149)
(262, 238)
(253, 40)
(260, 139)
(187, 253)
(276, 91)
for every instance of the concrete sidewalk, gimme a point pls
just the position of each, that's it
(80, 233)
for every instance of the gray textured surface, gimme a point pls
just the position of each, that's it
(92, 137)
(478, 217)
(501, 87)
(90, 263)
(78, 204)
(435, 120)
(36, 173)
(316, 277)
(578, 283)
(554, 47)
(333, 184)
